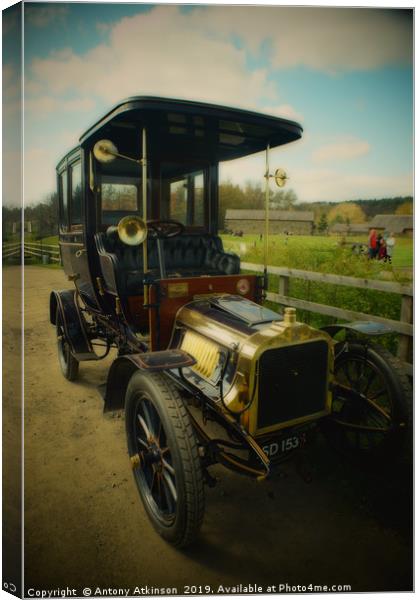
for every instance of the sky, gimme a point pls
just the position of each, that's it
(345, 74)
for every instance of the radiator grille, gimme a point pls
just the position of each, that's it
(292, 382)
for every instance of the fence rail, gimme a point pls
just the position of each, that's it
(403, 327)
(31, 249)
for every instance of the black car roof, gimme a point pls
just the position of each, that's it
(207, 130)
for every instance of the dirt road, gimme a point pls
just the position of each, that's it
(85, 525)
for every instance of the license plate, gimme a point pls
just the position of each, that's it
(284, 445)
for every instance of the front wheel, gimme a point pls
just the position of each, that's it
(371, 409)
(164, 456)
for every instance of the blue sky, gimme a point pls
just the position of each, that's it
(344, 74)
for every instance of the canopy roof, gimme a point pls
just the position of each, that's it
(195, 129)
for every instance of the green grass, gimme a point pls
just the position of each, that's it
(321, 253)
(325, 254)
(52, 239)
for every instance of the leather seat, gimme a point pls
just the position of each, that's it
(187, 255)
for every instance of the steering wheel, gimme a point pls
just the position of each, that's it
(165, 229)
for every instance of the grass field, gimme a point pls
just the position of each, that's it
(320, 253)
(325, 254)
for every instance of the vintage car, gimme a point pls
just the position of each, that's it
(204, 371)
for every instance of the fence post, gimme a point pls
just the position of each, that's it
(405, 343)
(284, 285)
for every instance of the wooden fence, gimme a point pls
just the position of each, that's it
(404, 327)
(38, 250)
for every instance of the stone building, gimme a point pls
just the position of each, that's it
(281, 221)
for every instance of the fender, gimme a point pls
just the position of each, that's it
(73, 323)
(124, 366)
(358, 328)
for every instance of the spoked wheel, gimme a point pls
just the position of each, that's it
(69, 365)
(164, 457)
(371, 416)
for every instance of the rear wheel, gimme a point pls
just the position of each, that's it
(371, 410)
(164, 457)
(68, 364)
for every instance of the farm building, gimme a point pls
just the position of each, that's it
(352, 229)
(252, 221)
(398, 224)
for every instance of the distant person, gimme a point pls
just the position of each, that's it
(378, 244)
(372, 248)
(382, 249)
(390, 245)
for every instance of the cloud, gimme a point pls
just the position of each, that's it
(43, 106)
(193, 55)
(341, 150)
(42, 16)
(39, 159)
(162, 52)
(11, 187)
(312, 185)
(326, 39)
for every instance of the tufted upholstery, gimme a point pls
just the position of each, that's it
(185, 256)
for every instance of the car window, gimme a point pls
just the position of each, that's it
(76, 194)
(186, 199)
(64, 216)
(118, 200)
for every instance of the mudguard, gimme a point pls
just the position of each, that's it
(73, 322)
(369, 328)
(123, 368)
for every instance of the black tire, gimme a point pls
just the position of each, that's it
(68, 364)
(164, 456)
(379, 415)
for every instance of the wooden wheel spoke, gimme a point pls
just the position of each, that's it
(168, 467)
(142, 442)
(144, 427)
(170, 484)
(378, 409)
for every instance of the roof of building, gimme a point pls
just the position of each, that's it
(395, 223)
(352, 228)
(242, 214)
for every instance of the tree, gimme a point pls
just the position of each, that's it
(405, 209)
(323, 223)
(346, 212)
(283, 200)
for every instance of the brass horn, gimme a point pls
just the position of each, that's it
(132, 230)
